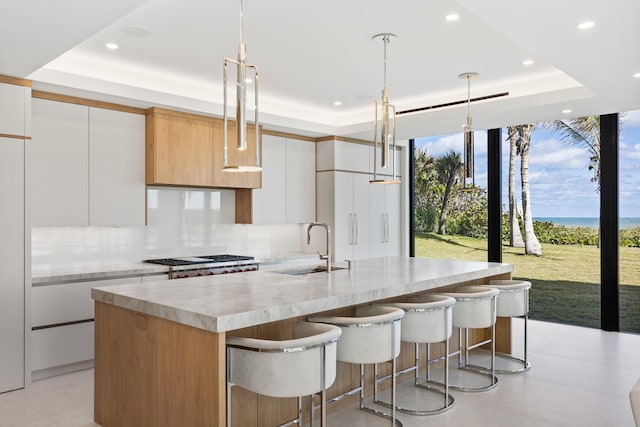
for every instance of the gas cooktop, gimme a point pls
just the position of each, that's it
(209, 259)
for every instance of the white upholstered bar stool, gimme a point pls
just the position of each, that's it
(371, 336)
(475, 308)
(427, 319)
(304, 365)
(513, 301)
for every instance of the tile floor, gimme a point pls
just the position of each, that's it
(579, 377)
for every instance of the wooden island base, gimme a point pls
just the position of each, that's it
(151, 372)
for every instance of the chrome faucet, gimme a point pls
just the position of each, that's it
(328, 255)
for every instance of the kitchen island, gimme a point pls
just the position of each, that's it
(160, 356)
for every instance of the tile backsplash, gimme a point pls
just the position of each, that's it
(181, 222)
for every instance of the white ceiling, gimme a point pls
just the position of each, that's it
(311, 54)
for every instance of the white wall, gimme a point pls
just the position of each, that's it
(181, 222)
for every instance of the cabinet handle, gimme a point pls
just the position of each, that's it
(351, 229)
(383, 229)
(356, 218)
(387, 222)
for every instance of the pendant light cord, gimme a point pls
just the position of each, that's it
(385, 39)
(468, 96)
(241, 22)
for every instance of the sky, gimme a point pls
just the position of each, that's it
(560, 181)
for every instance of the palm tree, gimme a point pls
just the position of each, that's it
(523, 145)
(583, 132)
(449, 168)
(515, 236)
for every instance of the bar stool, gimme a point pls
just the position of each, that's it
(372, 336)
(427, 319)
(475, 308)
(634, 398)
(513, 301)
(304, 365)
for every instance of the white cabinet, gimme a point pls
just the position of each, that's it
(270, 202)
(385, 220)
(344, 205)
(12, 263)
(62, 324)
(88, 166)
(116, 168)
(59, 164)
(15, 103)
(345, 156)
(301, 181)
(288, 193)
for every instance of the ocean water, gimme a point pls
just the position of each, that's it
(591, 222)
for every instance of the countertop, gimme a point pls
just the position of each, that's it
(234, 301)
(45, 274)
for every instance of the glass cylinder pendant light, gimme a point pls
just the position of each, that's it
(385, 120)
(241, 105)
(468, 132)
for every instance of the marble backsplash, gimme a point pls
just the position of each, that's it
(181, 222)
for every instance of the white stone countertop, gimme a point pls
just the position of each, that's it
(233, 301)
(44, 274)
(48, 273)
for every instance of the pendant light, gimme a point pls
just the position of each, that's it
(468, 132)
(385, 119)
(241, 106)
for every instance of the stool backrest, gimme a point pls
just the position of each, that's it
(427, 319)
(373, 336)
(513, 299)
(475, 306)
(288, 368)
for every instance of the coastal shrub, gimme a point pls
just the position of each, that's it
(548, 232)
(630, 237)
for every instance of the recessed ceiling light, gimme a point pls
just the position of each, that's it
(566, 111)
(636, 75)
(527, 62)
(112, 46)
(585, 25)
(337, 103)
(136, 32)
(452, 17)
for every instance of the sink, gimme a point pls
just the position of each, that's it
(308, 270)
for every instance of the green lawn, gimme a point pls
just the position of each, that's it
(566, 278)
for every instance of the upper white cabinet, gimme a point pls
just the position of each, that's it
(88, 166)
(288, 193)
(116, 168)
(345, 156)
(301, 181)
(269, 202)
(15, 108)
(12, 263)
(59, 164)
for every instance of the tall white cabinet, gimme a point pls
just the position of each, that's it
(15, 248)
(365, 218)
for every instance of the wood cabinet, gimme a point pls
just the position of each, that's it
(185, 149)
(88, 166)
(288, 193)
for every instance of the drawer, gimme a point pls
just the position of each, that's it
(61, 345)
(66, 302)
(155, 278)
